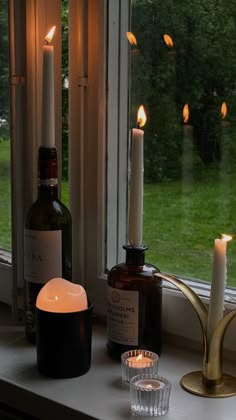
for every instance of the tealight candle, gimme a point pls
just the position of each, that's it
(134, 362)
(149, 395)
(139, 361)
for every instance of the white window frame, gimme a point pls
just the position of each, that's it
(98, 209)
(179, 318)
(98, 167)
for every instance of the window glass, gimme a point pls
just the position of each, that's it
(183, 70)
(5, 173)
(65, 86)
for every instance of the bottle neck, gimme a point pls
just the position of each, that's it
(47, 173)
(135, 255)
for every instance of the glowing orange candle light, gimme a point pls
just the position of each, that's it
(185, 113)
(168, 40)
(131, 38)
(139, 361)
(60, 295)
(223, 110)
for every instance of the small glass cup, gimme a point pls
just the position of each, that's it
(136, 362)
(149, 395)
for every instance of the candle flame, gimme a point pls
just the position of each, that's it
(185, 113)
(141, 117)
(149, 386)
(131, 38)
(139, 357)
(223, 110)
(168, 40)
(49, 36)
(225, 238)
(56, 297)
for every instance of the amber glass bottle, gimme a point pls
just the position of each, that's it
(134, 305)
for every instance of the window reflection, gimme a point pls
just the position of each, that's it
(5, 182)
(183, 69)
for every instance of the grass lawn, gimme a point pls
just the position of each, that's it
(5, 196)
(180, 228)
(181, 221)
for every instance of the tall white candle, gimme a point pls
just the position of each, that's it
(135, 227)
(48, 111)
(219, 271)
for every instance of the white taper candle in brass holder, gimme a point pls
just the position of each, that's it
(211, 381)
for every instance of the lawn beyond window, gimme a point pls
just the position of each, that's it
(180, 228)
(5, 201)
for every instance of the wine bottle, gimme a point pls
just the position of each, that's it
(47, 237)
(134, 305)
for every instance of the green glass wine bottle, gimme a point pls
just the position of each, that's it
(47, 237)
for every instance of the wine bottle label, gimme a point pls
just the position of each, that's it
(42, 255)
(122, 316)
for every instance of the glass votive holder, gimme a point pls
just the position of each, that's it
(136, 362)
(149, 395)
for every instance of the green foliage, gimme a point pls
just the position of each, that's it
(199, 70)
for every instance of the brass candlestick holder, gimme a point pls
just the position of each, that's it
(211, 381)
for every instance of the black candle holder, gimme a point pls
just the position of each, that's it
(63, 342)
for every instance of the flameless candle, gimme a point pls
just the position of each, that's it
(48, 112)
(216, 305)
(60, 296)
(135, 229)
(63, 329)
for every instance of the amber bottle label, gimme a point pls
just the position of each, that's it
(42, 255)
(122, 316)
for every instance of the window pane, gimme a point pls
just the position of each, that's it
(185, 59)
(5, 181)
(65, 85)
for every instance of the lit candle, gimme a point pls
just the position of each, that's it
(134, 362)
(187, 155)
(218, 282)
(60, 295)
(135, 229)
(226, 160)
(48, 113)
(139, 362)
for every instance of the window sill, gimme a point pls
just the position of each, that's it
(99, 394)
